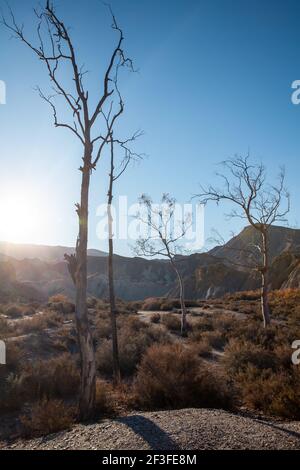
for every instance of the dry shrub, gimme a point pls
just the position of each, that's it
(202, 324)
(171, 322)
(29, 311)
(47, 417)
(285, 303)
(165, 304)
(134, 338)
(105, 398)
(170, 304)
(14, 356)
(201, 346)
(92, 302)
(240, 354)
(225, 323)
(14, 311)
(152, 303)
(39, 323)
(155, 318)
(4, 327)
(102, 326)
(58, 298)
(171, 376)
(262, 371)
(53, 378)
(244, 295)
(273, 393)
(8, 398)
(215, 339)
(61, 303)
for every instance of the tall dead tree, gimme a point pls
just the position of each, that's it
(259, 203)
(56, 50)
(162, 240)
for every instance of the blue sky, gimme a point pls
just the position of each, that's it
(214, 80)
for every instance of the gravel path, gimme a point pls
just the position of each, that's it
(191, 429)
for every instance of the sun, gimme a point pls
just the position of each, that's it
(19, 218)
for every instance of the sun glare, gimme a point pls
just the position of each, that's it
(19, 221)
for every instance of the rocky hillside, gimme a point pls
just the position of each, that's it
(42, 271)
(281, 240)
(12, 289)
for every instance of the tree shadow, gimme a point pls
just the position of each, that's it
(277, 427)
(150, 432)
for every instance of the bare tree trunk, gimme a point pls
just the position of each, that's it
(182, 302)
(112, 300)
(86, 347)
(265, 308)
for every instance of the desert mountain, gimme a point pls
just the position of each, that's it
(281, 240)
(46, 253)
(42, 271)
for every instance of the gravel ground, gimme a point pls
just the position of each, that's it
(192, 429)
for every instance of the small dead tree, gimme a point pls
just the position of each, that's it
(261, 204)
(55, 49)
(164, 238)
(114, 175)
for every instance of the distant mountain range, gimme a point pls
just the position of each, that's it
(52, 254)
(40, 271)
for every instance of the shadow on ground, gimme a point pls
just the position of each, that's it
(150, 432)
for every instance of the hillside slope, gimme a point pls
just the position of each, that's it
(206, 275)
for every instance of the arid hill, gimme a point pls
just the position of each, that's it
(206, 275)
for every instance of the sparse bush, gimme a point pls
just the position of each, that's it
(53, 378)
(224, 323)
(61, 303)
(134, 338)
(202, 324)
(201, 347)
(171, 376)
(244, 295)
(92, 302)
(165, 304)
(152, 304)
(102, 327)
(38, 323)
(47, 417)
(104, 402)
(4, 327)
(170, 304)
(215, 339)
(29, 311)
(14, 311)
(14, 356)
(239, 355)
(155, 318)
(273, 393)
(171, 322)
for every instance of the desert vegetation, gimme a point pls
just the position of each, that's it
(226, 360)
(192, 328)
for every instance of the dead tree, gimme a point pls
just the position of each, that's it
(256, 201)
(114, 175)
(161, 241)
(56, 50)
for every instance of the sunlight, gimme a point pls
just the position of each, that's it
(19, 217)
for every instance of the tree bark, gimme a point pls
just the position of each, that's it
(182, 302)
(112, 299)
(265, 308)
(86, 346)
